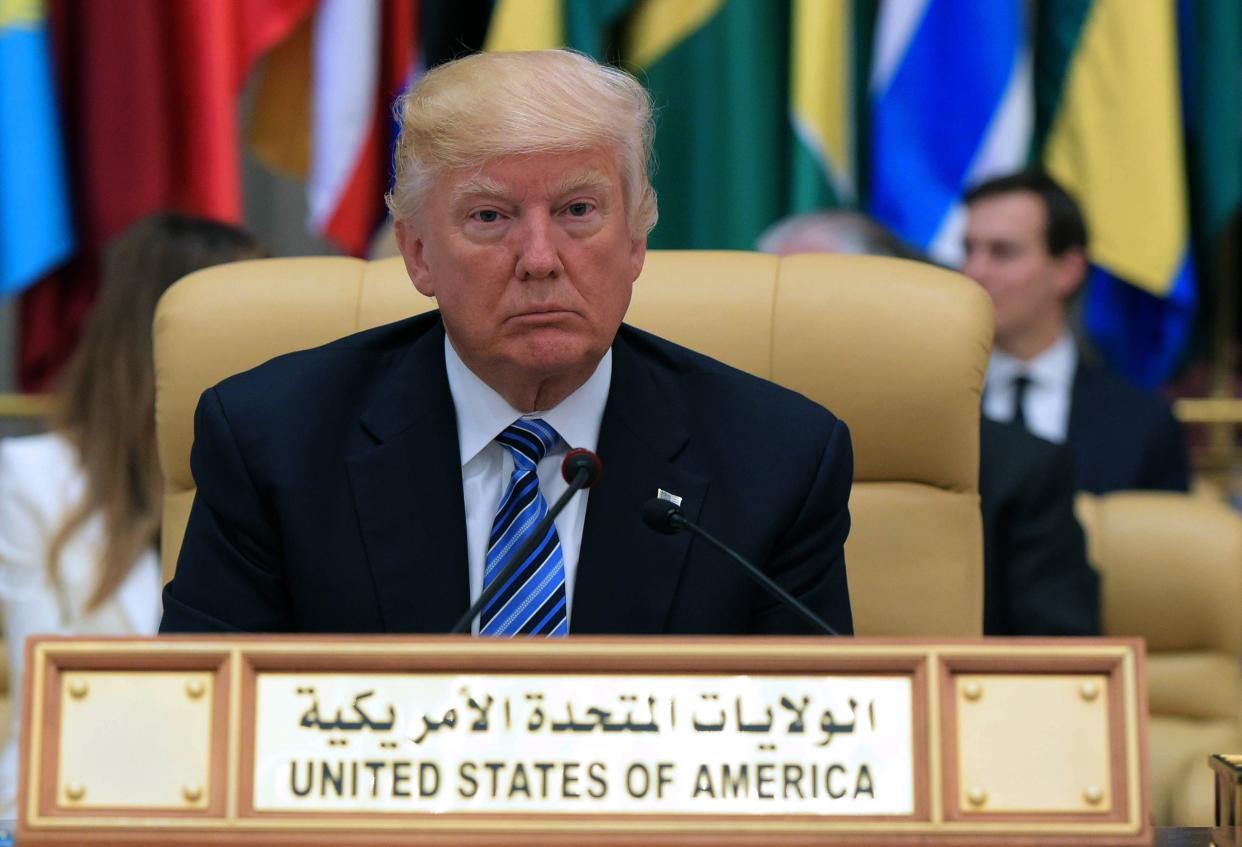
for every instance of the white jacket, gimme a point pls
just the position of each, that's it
(40, 484)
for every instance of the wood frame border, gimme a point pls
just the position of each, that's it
(930, 664)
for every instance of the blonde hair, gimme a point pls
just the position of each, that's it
(466, 112)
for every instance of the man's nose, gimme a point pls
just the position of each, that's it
(974, 266)
(538, 256)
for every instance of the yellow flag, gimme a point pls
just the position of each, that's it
(1116, 142)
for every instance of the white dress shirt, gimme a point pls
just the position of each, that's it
(1046, 406)
(482, 414)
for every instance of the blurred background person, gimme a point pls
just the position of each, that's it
(1026, 244)
(1037, 580)
(80, 505)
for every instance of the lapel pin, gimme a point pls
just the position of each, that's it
(672, 498)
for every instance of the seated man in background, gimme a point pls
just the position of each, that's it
(1026, 244)
(1037, 580)
(376, 484)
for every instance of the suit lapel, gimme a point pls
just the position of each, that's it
(408, 494)
(627, 573)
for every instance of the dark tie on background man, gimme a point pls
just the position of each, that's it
(533, 601)
(1021, 383)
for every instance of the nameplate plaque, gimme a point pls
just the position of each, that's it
(704, 744)
(608, 741)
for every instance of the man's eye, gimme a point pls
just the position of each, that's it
(578, 210)
(487, 216)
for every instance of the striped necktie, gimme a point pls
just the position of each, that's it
(532, 602)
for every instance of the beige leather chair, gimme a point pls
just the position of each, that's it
(896, 349)
(1171, 572)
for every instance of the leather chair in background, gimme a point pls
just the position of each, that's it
(896, 349)
(1171, 572)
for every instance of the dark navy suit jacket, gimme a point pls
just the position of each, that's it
(1121, 437)
(1037, 580)
(330, 496)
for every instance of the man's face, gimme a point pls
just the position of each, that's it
(1007, 253)
(531, 261)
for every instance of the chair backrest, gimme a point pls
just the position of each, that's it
(1171, 572)
(896, 349)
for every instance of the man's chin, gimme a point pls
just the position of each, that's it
(547, 355)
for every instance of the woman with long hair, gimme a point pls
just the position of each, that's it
(80, 504)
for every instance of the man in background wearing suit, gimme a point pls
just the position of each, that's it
(376, 484)
(1036, 578)
(1026, 244)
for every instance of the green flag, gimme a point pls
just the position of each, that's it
(718, 72)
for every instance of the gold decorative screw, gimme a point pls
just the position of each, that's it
(972, 691)
(78, 688)
(977, 796)
(1093, 794)
(1088, 691)
(195, 688)
(75, 791)
(192, 793)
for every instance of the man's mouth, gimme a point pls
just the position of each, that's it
(543, 312)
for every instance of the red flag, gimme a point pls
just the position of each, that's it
(149, 89)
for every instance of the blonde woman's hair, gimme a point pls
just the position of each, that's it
(105, 402)
(466, 112)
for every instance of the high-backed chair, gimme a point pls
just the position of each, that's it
(1171, 572)
(896, 349)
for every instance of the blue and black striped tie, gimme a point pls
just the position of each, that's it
(532, 602)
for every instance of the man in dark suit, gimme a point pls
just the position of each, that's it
(1026, 244)
(378, 483)
(1037, 580)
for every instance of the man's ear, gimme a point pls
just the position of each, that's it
(410, 243)
(638, 255)
(1071, 272)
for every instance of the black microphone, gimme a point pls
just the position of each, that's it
(666, 517)
(581, 469)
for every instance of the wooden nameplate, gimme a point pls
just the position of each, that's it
(615, 741)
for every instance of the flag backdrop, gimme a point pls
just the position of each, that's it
(35, 229)
(1210, 39)
(323, 112)
(947, 111)
(364, 56)
(719, 75)
(764, 108)
(821, 105)
(942, 111)
(1115, 142)
(150, 92)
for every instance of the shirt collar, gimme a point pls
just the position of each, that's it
(1053, 367)
(482, 414)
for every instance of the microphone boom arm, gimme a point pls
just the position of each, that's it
(665, 517)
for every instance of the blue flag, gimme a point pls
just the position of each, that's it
(35, 229)
(951, 104)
